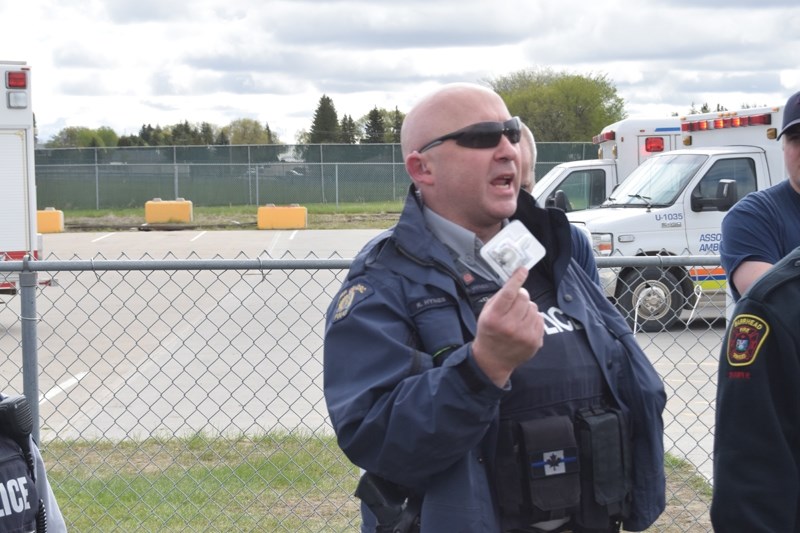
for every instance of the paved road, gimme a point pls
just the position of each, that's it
(175, 356)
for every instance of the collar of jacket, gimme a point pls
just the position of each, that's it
(550, 226)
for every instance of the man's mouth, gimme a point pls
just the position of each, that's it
(504, 182)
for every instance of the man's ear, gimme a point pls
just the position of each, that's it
(418, 168)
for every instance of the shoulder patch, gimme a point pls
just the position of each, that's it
(349, 298)
(745, 338)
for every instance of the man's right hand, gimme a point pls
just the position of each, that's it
(510, 330)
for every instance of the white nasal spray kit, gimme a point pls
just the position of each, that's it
(513, 247)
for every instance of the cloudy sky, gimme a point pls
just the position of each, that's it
(124, 63)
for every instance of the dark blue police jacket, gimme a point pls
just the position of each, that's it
(433, 428)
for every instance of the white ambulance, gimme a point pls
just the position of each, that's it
(17, 176)
(622, 146)
(673, 205)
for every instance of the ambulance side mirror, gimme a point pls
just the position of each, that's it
(726, 194)
(561, 201)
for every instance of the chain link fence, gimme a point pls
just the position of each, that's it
(179, 395)
(113, 178)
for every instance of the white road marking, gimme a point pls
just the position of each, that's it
(103, 237)
(58, 389)
(197, 236)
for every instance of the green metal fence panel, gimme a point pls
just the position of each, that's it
(125, 177)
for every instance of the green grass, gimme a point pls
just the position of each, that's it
(276, 482)
(320, 216)
(240, 210)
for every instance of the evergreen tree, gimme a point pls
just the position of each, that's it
(348, 129)
(325, 126)
(374, 130)
(397, 124)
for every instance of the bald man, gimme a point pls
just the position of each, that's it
(476, 403)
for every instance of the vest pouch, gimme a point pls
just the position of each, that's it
(606, 474)
(552, 467)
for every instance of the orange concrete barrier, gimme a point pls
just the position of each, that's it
(282, 217)
(49, 220)
(158, 211)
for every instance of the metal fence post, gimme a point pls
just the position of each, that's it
(175, 170)
(30, 360)
(96, 181)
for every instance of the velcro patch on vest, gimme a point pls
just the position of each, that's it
(746, 336)
(553, 462)
(349, 298)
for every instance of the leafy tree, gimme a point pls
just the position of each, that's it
(560, 106)
(348, 129)
(374, 130)
(302, 137)
(75, 137)
(325, 126)
(248, 131)
(108, 136)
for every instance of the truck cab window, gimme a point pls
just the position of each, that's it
(741, 170)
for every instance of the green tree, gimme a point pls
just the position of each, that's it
(248, 131)
(349, 131)
(222, 138)
(154, 136)
(75, 137)
(184, 134)
(272, 138)
(325, 126)
(374, 130)
(130, 140)
(207, 133)
(397, 124)
(108, 136)
(560, 106)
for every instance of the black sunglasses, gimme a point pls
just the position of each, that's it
(481, 135)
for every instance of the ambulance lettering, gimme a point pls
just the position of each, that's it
(668, 217)
(669, 220)
(709, 242)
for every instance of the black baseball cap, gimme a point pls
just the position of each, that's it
(791, 113)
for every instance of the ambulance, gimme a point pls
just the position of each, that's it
(19, 237)
(673, 205)
(622, 146)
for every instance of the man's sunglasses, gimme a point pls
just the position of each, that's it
(481, 135)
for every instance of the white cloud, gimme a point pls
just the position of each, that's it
(124, 63)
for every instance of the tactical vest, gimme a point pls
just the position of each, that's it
(19, 499)
(21, 509)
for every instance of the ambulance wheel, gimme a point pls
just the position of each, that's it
(651, 299)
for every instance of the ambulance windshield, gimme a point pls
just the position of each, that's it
(657, 182)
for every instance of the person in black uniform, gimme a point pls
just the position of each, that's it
(757, 439)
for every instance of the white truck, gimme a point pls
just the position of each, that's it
(18, 237)
(673, 205)
(622, 146)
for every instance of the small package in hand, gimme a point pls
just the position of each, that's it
(512, 248)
